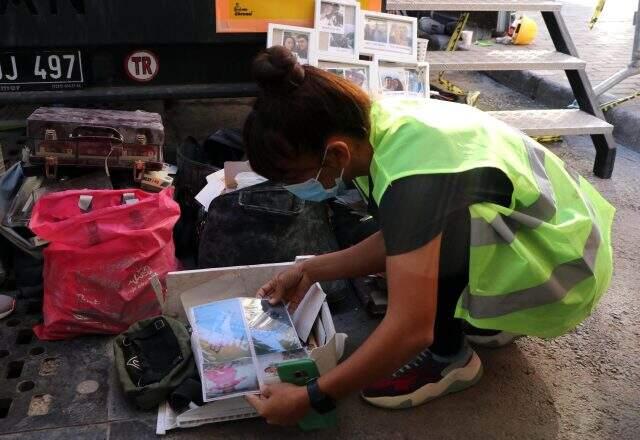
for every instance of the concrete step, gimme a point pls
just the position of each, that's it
(478, 60)
(473, 5)
(554, 122)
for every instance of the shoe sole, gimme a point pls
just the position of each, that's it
(457, 380)
(8, 312)
(502, 339)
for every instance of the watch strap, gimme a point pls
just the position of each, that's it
(320, 401)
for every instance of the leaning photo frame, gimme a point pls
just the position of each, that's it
(404, 79)
(338, 25)
(361, 73)
(390, 37)
(294, 38)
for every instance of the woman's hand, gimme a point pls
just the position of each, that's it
(290, 285)
(281, 404)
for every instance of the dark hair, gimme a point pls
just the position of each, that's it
(297, 110)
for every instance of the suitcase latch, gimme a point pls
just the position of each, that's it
(138, 170)
(141, 139)
(50, 135)
(51, 167)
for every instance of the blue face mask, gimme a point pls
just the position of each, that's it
(313, 191)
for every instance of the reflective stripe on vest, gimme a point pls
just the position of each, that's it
(563, 278)
(503, 229)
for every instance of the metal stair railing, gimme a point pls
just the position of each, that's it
(589, 119)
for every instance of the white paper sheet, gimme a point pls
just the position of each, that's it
(212, 190)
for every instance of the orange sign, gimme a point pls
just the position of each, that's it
(255, 15)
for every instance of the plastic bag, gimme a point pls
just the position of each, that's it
(99, 265)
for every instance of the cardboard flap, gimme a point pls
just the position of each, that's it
(308, 310)
(327, 356)
(341, 340)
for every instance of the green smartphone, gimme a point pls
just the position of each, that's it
(300, 372)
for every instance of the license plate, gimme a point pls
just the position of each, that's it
(41, 70)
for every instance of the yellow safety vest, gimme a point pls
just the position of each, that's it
(537, 267)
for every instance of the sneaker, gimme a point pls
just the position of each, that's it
(426, 377)
(488, 338)
(7, 305)
(496, 340)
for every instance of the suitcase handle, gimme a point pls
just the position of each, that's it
(97, 132)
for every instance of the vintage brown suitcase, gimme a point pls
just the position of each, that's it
(96, 138)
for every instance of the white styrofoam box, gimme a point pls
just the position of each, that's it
(187, 289)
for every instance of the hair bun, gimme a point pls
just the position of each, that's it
(277, 68)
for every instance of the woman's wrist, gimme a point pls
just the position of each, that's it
(302, 398)
(306, 270)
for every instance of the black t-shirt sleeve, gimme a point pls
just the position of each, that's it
(415, 209)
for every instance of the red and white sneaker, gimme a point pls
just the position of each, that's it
(7, 305)
(426, 377)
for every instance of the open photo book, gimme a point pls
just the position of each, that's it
(238, 344)
(230, 326)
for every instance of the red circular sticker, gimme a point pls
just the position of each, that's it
(142, 65)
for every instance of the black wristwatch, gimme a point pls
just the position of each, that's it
(321, 402)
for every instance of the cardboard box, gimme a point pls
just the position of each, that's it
(187, 289)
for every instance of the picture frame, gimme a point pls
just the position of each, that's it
(404, 79)
(355, 71)
(390, 37)
(285, 35)
(338, 25)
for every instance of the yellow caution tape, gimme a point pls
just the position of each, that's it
(604, 107)
(470, 97)
(547, 139)
(596, 13)
(455, 36)
(616, 102)
(449, 86)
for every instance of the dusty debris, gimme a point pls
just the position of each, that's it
(40, 405)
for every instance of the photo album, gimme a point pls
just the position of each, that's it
(238, 344)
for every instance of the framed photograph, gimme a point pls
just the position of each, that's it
(338, 25)
(411, 79)
(299, 40)
(390, 37)
(361, 73)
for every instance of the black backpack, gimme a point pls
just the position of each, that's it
(263, 224)
(153, 358)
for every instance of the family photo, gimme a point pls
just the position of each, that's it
(342, 41)
(298, 43)
(400, 35)
(376, 31)
(332, 17)
(391, 37)
(393, 80)
(358, 76)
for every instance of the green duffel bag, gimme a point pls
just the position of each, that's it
(153, 357)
